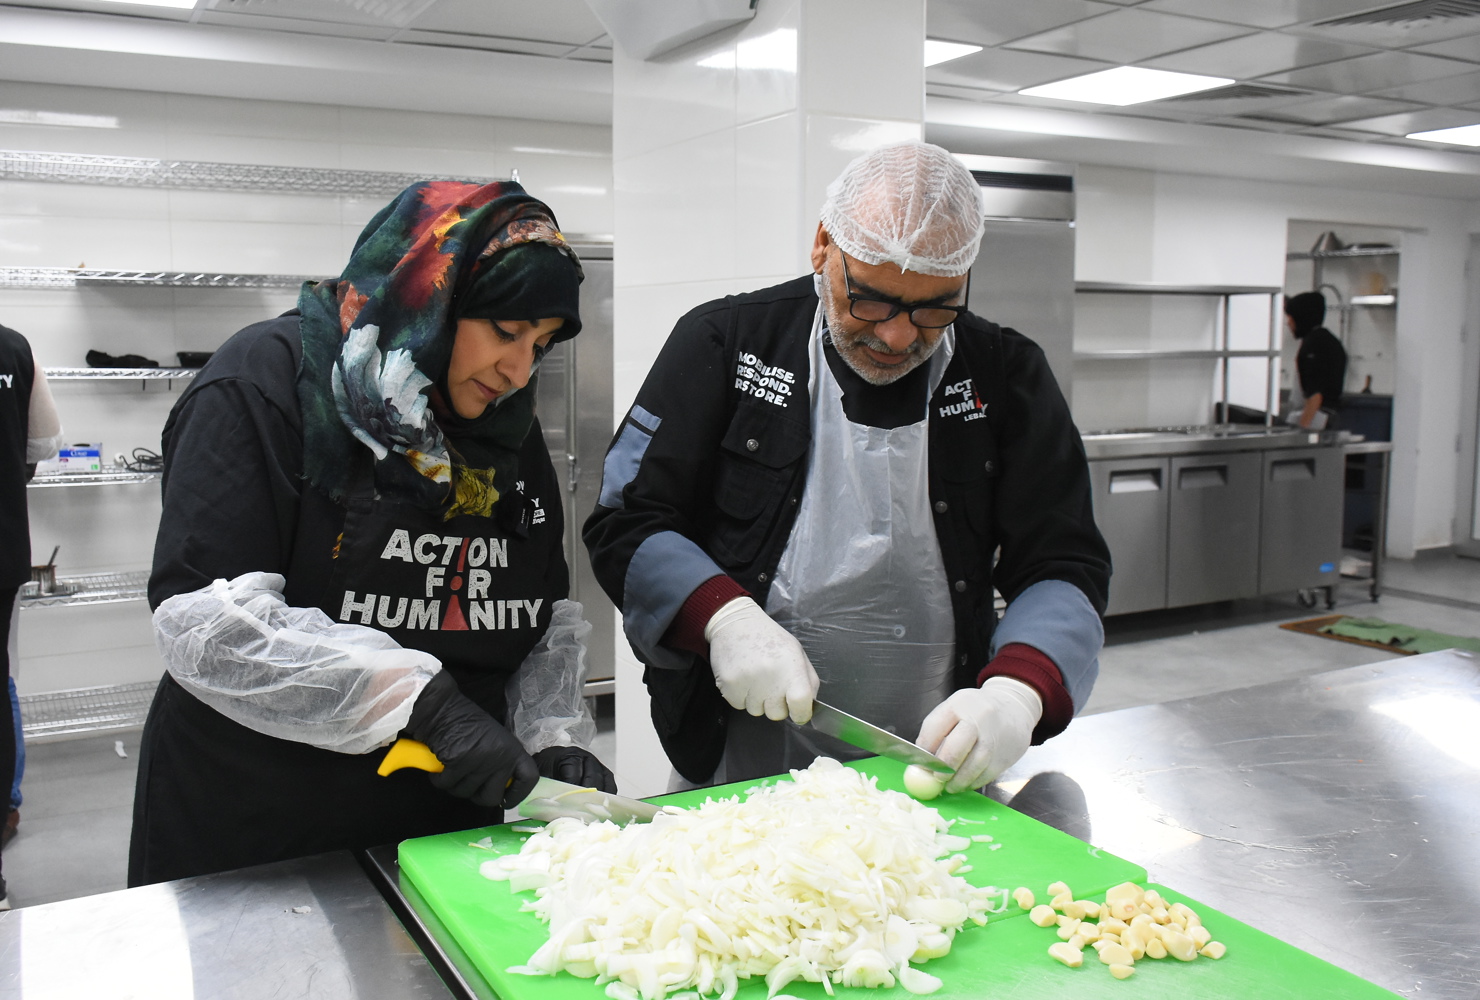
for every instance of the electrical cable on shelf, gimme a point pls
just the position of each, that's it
(143, 460)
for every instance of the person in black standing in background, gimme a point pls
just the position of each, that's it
(362, 538)
(29, 432)
(1320, 360)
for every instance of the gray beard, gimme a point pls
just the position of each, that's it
(849, 348)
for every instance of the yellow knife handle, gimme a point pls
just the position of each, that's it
(409, 753)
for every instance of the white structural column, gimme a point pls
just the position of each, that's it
(722, 152)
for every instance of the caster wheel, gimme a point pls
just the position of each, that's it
(1306, 598)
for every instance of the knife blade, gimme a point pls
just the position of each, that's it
(866, 736)
(549, 799)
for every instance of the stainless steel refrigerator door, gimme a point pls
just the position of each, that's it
(1213, 528)
(575, 411)
(1300, 535)
(1024, 278)
(1130, 497)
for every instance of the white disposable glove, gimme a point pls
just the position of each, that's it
(758, 665)
(981, 732)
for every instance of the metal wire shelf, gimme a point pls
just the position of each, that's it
(132, 171)
(110, 475)
(1348, 252)
(131, 374)
(86, 710)
(66, 277)
(96, 588)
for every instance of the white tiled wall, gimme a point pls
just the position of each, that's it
(63, 225)
(722, 153)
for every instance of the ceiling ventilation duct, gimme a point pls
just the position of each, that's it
(1409, 13)
(647, 28)
(1237, 92)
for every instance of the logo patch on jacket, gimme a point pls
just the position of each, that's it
(968, 405)
(753, 377)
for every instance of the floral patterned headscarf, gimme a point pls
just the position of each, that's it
(377, 342)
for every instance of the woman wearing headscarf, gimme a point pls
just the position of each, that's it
(361, 540)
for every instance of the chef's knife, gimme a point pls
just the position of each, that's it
(548, 800)
(866, 736)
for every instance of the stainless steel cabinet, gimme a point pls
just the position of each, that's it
(575, 409)
(1130, 497)
(1213, 528)
(1300, 532)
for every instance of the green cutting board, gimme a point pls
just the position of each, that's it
(479, 920)
(1256, 967)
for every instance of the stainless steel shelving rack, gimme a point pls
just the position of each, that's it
(66, 277)
(132, 171)
(111, 475)
(1220, 333)
(95, 588)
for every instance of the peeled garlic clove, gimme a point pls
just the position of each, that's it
(1043, 915)
(1122, 971)
(1213, 949)
(1072, 957)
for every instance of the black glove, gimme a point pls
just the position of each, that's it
(575, 766)
(481, 759)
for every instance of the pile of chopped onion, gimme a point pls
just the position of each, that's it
(824, 878)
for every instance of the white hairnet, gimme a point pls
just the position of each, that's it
(912, 204)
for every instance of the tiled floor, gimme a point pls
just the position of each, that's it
(75, 820)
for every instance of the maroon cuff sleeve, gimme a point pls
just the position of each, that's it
(1023, 663)
(687, 631)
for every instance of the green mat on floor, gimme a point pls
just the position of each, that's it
(1400, 637)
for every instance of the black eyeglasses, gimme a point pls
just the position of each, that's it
(876, 309)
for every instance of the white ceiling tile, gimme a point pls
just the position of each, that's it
(1258, 55)
(1467, 47)
(468, 40)
(1330, 132)
(1330, 110)
(297, 25)
(388, 13)
(1251, 122)
(1380, 71)
(1416, 121)
(1237, 100)
(1004, 69)
(1462, 89)
(961, 93)
(1128, 36)
(1261, 13)
(548, 20)
(991, 22)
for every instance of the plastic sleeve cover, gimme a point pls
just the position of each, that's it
(547, 694)
(292, 673)
(43, 424)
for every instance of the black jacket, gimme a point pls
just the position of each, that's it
(17, 373)
(1321, 363)
(722, 429)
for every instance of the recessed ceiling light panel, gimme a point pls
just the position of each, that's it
(1464, 135)
(1126, 85)
(937, 51)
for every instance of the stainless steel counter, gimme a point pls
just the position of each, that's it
(314, 927)
(1203, 440)
(1338, 812)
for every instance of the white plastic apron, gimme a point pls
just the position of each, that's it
(861, 583)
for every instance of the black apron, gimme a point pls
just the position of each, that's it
(476, 592)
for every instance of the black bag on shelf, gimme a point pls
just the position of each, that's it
(98, 359)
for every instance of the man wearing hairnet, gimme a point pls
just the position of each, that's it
(821, 483)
